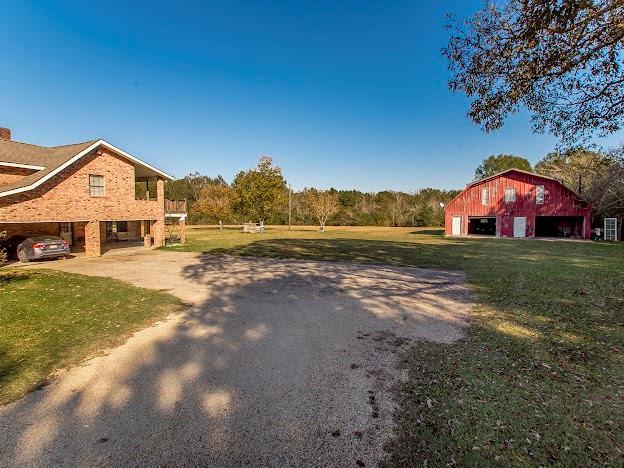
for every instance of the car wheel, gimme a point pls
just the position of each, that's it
(21, 255)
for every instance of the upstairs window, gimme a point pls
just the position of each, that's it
(485, 196)
(539, 194)
(510, 195)
(96, 185)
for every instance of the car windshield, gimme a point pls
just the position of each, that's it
(46, 239)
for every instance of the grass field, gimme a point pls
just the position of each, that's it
(50, 320)
(539, 378)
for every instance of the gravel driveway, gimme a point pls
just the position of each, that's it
(274, 363)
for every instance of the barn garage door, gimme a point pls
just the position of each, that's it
(456, 226)
(520, 226)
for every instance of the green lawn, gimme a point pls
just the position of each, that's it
(50, 320)
(539, 378)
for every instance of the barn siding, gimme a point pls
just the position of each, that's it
(558, 201)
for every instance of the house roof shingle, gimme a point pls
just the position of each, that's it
(47, 157)
(50, 159)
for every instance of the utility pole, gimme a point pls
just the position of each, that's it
(289, 205)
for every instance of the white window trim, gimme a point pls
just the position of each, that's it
(103, 186)
(514, 194)
(485, 196)
(615, 229)
(537, 189)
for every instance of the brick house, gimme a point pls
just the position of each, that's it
(92, 194)
(516, 203)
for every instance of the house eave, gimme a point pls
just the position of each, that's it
(75, 158)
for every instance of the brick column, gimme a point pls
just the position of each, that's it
(182, 228)
(95, 236)
(159, 226)
(147, 241)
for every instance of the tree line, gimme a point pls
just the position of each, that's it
(261, 194)
(597, 176)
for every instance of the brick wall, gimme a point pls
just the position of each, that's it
(79, 233)
(65, 197)
(10, 175)
(30, 229)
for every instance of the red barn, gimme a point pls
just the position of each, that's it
(516, 203)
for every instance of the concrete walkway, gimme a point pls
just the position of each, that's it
(274, 363)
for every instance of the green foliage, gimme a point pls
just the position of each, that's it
(495, 164)
(189, 188)
(426, 216)
(597, 176)
(215, 203)
(141, 189)
(561, 60)
(51, 320)
(261, 191)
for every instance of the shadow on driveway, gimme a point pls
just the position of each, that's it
(276, 362)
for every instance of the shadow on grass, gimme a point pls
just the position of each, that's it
(259, 371)
(429, 232)
(10, 278)
(542, 363)
(545, 337)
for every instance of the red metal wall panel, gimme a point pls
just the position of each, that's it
(558, 201)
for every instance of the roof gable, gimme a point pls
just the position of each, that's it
(507, 171)
(518, 171)
(51, 161)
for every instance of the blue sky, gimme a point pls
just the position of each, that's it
(342, 94)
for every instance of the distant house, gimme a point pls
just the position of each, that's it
(516, 203)
(88, 193)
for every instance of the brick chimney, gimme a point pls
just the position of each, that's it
(5, 134)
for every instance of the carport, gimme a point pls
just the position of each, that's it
(72, 232)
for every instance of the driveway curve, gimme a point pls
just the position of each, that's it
(273, 363)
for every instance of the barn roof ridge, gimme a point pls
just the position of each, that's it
(513, 169)
(521, 171)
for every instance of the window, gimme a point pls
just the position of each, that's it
(96, 185)
(610, 229)
(539, 194)
(122, 226)
(510, 194)
(485, 197)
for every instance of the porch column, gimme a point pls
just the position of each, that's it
(159, 225)
(95, 234)
(182, 228)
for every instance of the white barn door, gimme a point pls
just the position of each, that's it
(520, 226)
(456, 226)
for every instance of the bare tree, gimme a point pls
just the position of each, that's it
(597, 176)
(322, 203)
(399, 209)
